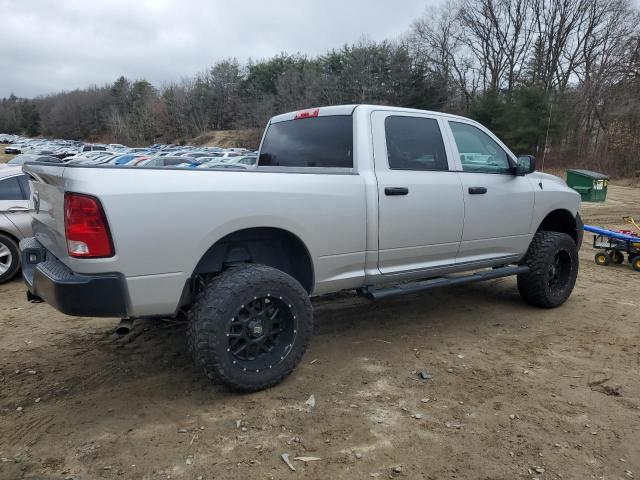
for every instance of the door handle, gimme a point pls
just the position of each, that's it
(17, 209)
(477, 190)
(396, 191)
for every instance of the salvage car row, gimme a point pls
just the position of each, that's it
(15, 210)
(158, 155)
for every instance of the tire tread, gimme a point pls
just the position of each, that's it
(207, 326)
(532, 285)
(15, 251)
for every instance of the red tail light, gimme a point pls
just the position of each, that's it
(307, 114)
(86, 226)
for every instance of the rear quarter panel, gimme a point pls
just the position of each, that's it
(8, 227)
(163, 221)
(47, 197)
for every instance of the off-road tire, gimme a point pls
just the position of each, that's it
(218, 305)
(602, 259)
(14, 251)
(617, 258)
(552, 259)
(635, 263)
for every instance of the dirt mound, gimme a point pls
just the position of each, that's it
(228, 138)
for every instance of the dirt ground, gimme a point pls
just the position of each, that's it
(5, 157)
(517, 392)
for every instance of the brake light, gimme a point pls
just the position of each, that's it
(86, 227)
(307, 114)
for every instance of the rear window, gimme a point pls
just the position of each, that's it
(311, 142)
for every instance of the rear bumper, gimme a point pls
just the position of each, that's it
(50, 280)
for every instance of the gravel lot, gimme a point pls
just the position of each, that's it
(516, 392)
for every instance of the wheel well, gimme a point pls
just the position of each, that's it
(274, 247)
(560, 221)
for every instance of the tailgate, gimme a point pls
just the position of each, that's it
(47, 195)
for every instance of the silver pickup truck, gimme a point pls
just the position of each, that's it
(380, 200)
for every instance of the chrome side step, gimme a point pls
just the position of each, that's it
(373, 293)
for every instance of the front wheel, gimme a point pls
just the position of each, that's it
(552, 259)
(249, 327)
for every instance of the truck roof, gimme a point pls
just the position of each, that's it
(348, 110)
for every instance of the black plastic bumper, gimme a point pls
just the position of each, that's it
(579, 230)
(50, 280)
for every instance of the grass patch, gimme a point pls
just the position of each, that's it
(5, 157)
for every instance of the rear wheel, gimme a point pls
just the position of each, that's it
(616, 257)
(249, 327)
(635, 263)
(552, 259)
(9, 258)
(602, 258)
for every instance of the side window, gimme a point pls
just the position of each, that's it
(10, 189)
(414, 143)
(478, 151)
(24, 185)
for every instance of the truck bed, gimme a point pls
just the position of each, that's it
(164, 220)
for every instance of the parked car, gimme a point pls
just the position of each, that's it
(196, 154)
(15, 148)
(27, 157)
(225, 154)
(249, 160)
(156, 162)
(93, 148)
(214, 164)
(15, 219)
(218, 163)
(374, 198)
(123, 159)
(136, 161)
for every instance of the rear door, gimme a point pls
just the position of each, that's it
(498, 205)
(419, 193)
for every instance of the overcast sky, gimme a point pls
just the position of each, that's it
(48, 46)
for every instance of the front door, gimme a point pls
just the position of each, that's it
(420, 214)
(498, 205)
(14, 203)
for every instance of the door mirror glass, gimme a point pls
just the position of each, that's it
(526, 164)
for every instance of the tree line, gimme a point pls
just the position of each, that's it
(556, 78)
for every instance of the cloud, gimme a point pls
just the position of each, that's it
(47, 46)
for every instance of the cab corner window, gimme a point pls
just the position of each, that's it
(478, 151)
(414, 143)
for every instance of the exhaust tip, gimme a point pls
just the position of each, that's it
(124, 327)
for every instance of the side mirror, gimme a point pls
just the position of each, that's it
(526, 164)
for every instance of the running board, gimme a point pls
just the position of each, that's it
(420, 285)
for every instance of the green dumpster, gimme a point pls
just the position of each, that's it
(592, 186)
